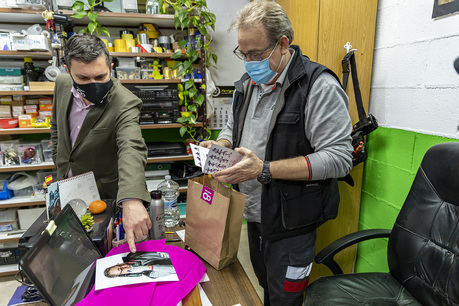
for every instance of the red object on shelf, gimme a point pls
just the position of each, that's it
(8, 123)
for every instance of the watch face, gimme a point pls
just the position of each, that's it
(265, 176)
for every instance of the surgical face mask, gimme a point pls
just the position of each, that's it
(94, 92)
(259, 71)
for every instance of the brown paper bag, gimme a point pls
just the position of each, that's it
(213, 221)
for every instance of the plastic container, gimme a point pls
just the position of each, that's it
(170, 191)
(128, 73)
(9, 123)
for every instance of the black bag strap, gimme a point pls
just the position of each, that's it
(349, 58)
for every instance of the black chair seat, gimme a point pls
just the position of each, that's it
(358, 289)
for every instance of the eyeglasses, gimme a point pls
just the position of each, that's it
(252, 55)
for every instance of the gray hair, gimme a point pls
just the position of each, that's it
(85, 48)
(270, 14)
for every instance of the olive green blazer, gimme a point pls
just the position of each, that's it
(109, 143)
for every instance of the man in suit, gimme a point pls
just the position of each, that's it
(95, 127)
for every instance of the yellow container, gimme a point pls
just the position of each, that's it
(129, 43)
(120, 45)
(127, 36)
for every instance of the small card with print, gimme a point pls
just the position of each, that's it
(220, 158)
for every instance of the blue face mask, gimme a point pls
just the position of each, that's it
(259, 71)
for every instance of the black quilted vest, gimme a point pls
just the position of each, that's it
(289, 208)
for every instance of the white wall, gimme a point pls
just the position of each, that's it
(414, 85)
(229, 67)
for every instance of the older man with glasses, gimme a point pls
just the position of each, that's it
(290, 121)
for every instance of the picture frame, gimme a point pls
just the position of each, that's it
(445, 7)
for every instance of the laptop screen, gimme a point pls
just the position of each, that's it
(62, 265)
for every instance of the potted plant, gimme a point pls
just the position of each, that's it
(88, 9)
(192, 15)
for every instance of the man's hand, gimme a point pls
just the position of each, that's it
(221, 142)
(247, 169)
(136, 222)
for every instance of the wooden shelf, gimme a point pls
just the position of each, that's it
(22, 54)
(4, 237)
(170, 81)
(7, 270)
(26, 93)
(42, 166)
(23, 16)
(22, 201)
(165, 159)
(166, 126)
(24, 131)
(129, 54)
(126, 19)
(183, 189)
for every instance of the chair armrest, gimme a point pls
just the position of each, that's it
(325, 256)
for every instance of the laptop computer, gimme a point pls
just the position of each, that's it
(62, 262)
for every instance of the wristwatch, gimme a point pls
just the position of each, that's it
(265, 175)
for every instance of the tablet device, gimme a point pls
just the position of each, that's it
(62, 263)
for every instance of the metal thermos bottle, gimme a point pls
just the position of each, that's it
(157, 215)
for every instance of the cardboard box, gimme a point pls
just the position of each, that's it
(28, 216)
(45, 113)
(46, 107)
(17, 103)
(31, 101)
(25, 121)
(45, 101)
(30, 108)
(5, 111)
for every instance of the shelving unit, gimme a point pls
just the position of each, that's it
(8, 270)
(22, 201)
(165, 159)
(4, 237)
(22, 54)
(148, 81)
(27, 131)
(109, 19)
(42, 166)
(26, 93)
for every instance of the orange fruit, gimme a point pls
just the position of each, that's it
(97, 207)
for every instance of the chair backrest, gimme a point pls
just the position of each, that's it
(423, 250)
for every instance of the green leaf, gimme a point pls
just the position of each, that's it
(105, 31)
(176, 22)
(177, 65)
(92, 26)
(83, 31)
(92, 16)
(186, 23)
(181, 72)
(188, 84)
(192, 92)
(108, 1)
(91, 3)
(182, 119)
(186, 65)
(78, 6)
(192, 119)
(79, 15)
(182, 43)
(203, 31)
(177, 55)
(192, 108)
(214, 57)
(199, 100)
(182, 130)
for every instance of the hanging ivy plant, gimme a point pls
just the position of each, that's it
(190, 14)
(87, 9)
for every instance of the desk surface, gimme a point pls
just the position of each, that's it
(228, 286)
